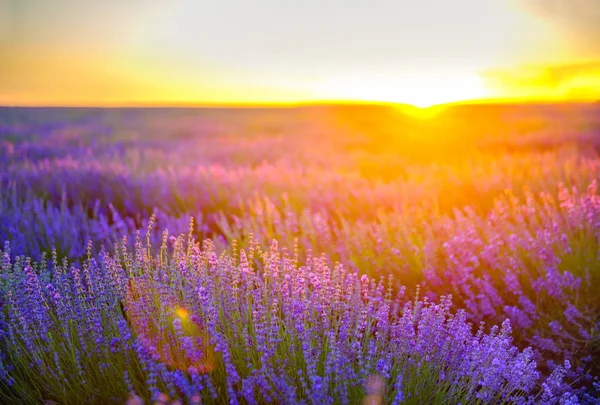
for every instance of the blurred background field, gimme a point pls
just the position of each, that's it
(343, 162)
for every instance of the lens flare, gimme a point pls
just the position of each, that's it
(182, 313)
(170, 332)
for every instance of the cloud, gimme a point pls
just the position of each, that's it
(574, 80)
(578, 20)
(564, 73)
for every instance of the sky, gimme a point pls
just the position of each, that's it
(420, 52)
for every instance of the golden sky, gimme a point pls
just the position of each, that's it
(421, 52)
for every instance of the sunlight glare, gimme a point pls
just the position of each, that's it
(420, 90)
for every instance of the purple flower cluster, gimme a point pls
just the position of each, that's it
(283, 333)
(535, 270)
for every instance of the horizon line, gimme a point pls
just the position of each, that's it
(297, 104)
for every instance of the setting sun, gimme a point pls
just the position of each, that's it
(421, 90)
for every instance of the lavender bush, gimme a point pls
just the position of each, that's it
(282, 332)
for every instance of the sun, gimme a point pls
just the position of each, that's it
(422, 90)
(423, 113)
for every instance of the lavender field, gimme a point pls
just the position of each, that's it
(298, 255)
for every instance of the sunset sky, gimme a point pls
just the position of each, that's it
(421, 52)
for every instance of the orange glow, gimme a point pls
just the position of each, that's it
(426, 113)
